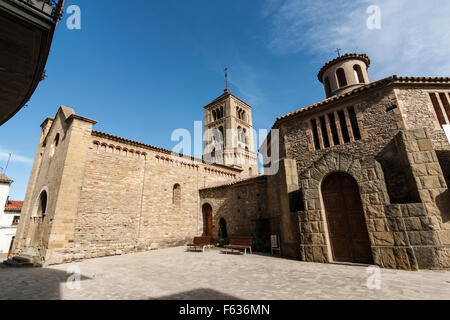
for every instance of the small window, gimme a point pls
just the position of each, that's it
(42, 209)
(16, 220)
(56, 142)
(342, 80)
(176, 194)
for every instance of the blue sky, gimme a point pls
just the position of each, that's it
(145, 68)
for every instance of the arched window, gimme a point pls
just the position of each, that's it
(327, 86)
(241, 135)
(222, 134)
(214, 115)
(342, 80)
(358, 73)
(176, 194)
(42, 205)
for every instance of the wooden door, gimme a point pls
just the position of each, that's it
(207, 220)
(345, 217)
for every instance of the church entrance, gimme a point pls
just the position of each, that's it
(207, 220)
(347, 228)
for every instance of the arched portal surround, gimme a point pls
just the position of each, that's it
(314, 232)
(207, 214)
(347, 227)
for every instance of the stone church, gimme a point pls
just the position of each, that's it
(362, 177)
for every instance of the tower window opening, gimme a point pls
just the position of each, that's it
(342, 80)
(358, 73)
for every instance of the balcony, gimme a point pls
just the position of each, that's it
(26, 34)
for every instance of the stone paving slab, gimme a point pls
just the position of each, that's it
(175, 274)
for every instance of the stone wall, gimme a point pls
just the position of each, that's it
(378, 119)
(404, 236)
(108, 195)
(241, 205)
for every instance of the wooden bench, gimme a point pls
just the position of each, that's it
(200, 242)
(241, 243)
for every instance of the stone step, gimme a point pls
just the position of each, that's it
(23, 259)
(15, 264)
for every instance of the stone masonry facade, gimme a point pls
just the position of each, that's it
(368, 168)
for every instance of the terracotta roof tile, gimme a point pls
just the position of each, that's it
(12, 205)
(346, 56)
(221, 185)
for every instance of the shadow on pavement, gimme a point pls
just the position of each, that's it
(32, 283)
(199, 294)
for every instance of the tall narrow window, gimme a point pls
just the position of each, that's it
(354, 123)
(344, 129)
(358, 73)
(333, 128)
(327, 87)
(176, 200)
(342, 80)
(315, 134)
(445, 103)
(56, 140)
(437, 109)
(42, 208)
(323, 127)
(214, 115)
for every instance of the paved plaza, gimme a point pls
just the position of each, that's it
(176, 274)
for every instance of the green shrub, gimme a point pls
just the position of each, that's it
(223, 234)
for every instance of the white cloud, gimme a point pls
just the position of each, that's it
(414, 39)
(4, 155)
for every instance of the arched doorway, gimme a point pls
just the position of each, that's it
(207, 220)
(347, 228)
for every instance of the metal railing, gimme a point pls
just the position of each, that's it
(51, 8)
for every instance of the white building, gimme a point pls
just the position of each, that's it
(9, 215)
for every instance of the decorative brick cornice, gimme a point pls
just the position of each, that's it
(149, 147)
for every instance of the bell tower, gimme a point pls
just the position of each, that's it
(228, 133)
